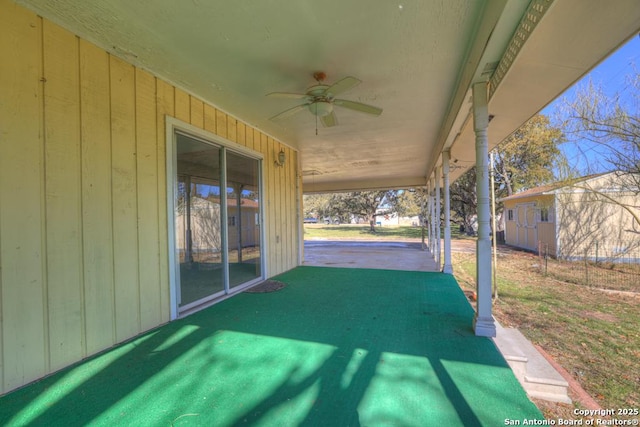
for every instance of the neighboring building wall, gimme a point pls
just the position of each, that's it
(83, 209)
(547, 236)
(526, 228)
(586, 219)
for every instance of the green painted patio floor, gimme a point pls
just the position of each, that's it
(336, 347)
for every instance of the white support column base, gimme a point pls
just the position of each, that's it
(484, 327)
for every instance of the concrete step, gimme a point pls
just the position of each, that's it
(536, 375)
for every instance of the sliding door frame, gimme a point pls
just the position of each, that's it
(173, 128)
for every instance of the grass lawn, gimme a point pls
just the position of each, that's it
(593, 333)
(362, 231)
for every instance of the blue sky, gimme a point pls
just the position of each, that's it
(611, 75)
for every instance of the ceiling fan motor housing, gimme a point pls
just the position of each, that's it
(321, 108)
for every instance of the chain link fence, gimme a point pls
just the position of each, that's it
(615, 267)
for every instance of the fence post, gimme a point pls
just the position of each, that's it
(596, 253)
(586, 266)
(546, 257)
(540, 254)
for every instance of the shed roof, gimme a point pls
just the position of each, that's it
(549, 188)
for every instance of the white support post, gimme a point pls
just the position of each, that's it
(448, 267)
(484, 324)
(432, 248)
(437, 221)
(429, 219)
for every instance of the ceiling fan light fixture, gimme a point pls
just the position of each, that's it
(321, 108)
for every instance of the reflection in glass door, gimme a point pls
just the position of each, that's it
(217, 232)
(198, 219)
(243, 213)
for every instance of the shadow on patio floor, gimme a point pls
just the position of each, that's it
(335, 347)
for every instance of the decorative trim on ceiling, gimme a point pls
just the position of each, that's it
(531, 18)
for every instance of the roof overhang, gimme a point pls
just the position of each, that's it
(417, 60)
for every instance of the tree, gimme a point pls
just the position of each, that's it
(527, 157)
(363, 204)
(610, 123)
(464, 202)
(524, 160)
(317, 205)
(412, 202)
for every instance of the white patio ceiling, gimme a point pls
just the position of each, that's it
(416, 59)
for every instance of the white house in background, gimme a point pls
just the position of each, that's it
(393, 219)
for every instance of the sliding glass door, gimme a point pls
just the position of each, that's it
(243, 214)
(217, 233)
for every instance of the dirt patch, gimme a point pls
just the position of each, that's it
(600, 316)
(620, 293)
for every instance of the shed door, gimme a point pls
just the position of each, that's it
(526, 229)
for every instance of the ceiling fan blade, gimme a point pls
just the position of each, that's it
(329, 120)
(287, 95)
(342, 86)
(358, 106)
(289, 112)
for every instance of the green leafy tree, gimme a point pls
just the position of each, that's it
(525, 159)
(365, 204)
(316, 205)
(359, 204)
(464, 202)
(412, 202)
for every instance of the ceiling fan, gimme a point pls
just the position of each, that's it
(320, 99)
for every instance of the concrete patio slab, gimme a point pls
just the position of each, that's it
(387, 255)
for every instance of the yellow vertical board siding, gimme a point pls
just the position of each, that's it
(22, 272)
(299, 212)
(182, 103)
(261, 146)
(97, 224)
(148, 206)
(257, 135)
(209, 118)
(241, 134)
(197, 112)
(104, 125)
(291, 207)
(221, 124)
(510, 231)
(232, 125)
(273, 238)
(547, 235)
(277, 195)
(248, 137)
(165, 106)
(125, 212)
(63, 196)
(293, 223)
(284, 208)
